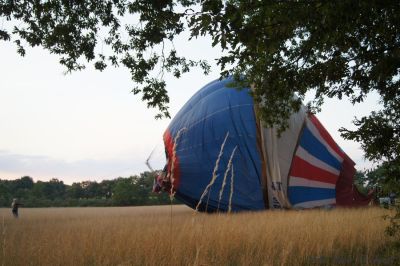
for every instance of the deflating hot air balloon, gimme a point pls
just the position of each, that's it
(221, 158)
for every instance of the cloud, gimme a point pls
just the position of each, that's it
(43, 168)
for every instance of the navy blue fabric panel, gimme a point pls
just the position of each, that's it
(210, 207)
(208, 116)
(313, 146)
(304, 194)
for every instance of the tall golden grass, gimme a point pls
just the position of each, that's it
(144, 236)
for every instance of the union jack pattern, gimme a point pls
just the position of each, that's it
(315, 168)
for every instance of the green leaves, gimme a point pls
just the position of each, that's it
(379, 135)
(343, 49)
(4, 35)
(73, 30)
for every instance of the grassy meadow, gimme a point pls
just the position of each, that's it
(175, 235)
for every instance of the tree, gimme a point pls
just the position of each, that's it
(25, 182)
(91, 189)
(5, 196)
(124, 192)
(106, 187)
(378, 180)
(53, 189)
(75, 191)
(74, 29)
(280, 48)
(361, 182)
(133, 190)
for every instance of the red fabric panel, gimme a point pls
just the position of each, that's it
(347, 194)
(169, 146)
(361, 199)
(301, 168)
(344, 186)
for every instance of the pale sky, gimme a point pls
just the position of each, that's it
(88, 126)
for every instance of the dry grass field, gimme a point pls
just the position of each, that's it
(152, 236)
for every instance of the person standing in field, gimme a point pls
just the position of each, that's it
(14, 207)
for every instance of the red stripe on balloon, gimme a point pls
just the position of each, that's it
(303, 169)
(169, 146)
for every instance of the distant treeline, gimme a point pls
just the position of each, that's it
(130, 191)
